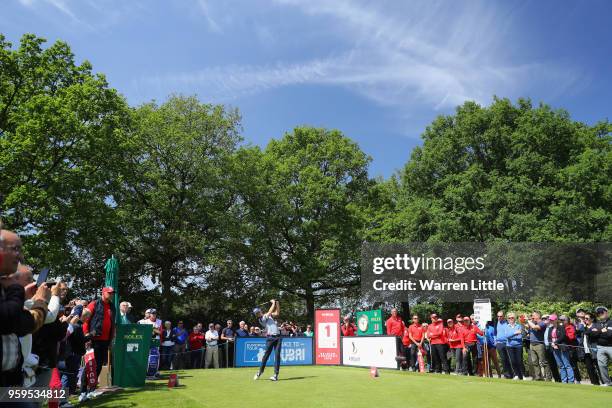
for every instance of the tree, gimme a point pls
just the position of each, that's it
(302, 202)
(173, 194)
(61, 132)
(508, 172)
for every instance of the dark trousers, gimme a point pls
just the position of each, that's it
(70, 371)
(438, 356)
(101, 352)
(591, 367)
(516, 359)
(196, 358)
(505, 359)
(180, 357)
(413, 351)
(229, 349)
(166, 355)
(573, 355)
(471, 358)
(459, 360)
(272, 342)
(552, 364)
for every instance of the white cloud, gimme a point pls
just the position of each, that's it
(206, 12)
(428, 53)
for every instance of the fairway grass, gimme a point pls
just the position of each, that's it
(348, 387)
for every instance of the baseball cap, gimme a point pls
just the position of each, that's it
(449, 321)
(153, 311)
(108, 289)
(256, 310)
(601, 309)
(580, 310)
(552, 317)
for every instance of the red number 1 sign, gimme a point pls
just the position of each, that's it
(327, 336)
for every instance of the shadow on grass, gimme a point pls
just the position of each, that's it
(297, 378)
(120, 398)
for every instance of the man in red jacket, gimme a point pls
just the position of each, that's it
(416, 338)
(457, 345)
(438, 342)
(395, 327)
(470, 331)
(196, 341)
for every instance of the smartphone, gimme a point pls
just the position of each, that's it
(42, 276)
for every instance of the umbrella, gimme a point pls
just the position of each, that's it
(112, 279)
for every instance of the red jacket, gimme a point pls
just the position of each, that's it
(195, 341)
(455, 337)
(416, 330)
(470, 332)
(435, 332)
(395, 326)
(348, 331)
(106, 322)
(406, 340)
(570, 331)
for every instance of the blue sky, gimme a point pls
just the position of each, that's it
(379, 71)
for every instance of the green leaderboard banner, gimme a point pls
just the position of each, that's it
(131, 354)
(369, 322)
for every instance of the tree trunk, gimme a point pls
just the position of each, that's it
(166, 293)
(405, 312)
(310, 305)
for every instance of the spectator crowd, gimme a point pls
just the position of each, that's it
(555, 346)
(42, 330)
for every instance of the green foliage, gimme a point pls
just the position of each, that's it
(301, 207)
(505, 172)
(547, 307)
(61, 128)
(213, 229)
(172, 195)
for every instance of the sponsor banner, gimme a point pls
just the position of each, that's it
(369, 322)
(376, 351)
(131, 354)
(249, 351)
(327, 336)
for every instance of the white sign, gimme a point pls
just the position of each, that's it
(482, 311)
(327, 335)
(376, 351)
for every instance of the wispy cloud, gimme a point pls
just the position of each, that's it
(59, 5)
(205, 10)
(90, 15)
(429, 54)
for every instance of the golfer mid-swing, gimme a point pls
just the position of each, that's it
(273, 339)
